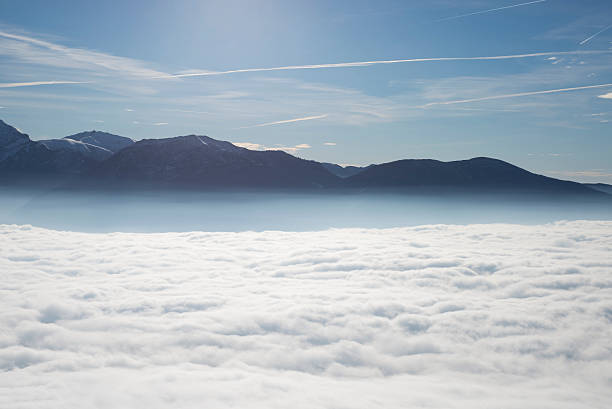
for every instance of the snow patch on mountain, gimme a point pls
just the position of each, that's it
(95, 152)
(108, 141)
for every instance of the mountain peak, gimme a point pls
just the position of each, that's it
(11, 140)
(108, 141)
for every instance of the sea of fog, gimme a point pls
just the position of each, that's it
(290, 300)
(286, 211)
(434, 316)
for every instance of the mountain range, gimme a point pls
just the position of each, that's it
(99, 159)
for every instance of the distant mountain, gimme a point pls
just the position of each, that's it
(601, 187)
(342, 171)
(200, 161)
(99, 159)
(108, 141)
(22, 157)
(473, 174)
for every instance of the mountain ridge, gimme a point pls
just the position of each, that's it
(97, 159)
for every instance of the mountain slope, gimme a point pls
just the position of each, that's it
(11, 140)
(108, 141)
(91, 151)
(200, 161)
(473, 174)
(601, 187)
(20, 157)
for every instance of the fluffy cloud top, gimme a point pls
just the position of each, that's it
(432, 316)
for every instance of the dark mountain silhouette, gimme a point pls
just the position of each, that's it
(473, 174)
(99, 159)
(20, 157)
(200, 161)
(342, 171)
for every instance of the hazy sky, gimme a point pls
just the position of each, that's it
(118, 66)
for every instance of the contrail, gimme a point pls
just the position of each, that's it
(368, 63)
(521, 94)
(490, 10)
(31, 84)
(286, 121)
(594, 35)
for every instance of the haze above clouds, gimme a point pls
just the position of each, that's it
(434, 316)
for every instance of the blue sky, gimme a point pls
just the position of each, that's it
(120, 67)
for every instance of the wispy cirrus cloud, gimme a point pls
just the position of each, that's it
(490, 10)
(606, 96)
(28, 49)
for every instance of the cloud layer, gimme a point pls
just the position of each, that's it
(437, 316)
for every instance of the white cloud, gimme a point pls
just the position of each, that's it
(329, 143)
(32, 50)
(438, 316)
(606, 96)
(594, 176)
(160, 123)
(250, 145)
(260, 147)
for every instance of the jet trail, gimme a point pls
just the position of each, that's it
(594, 35)
(286, 121)
(368, 63)
(31, 84)
(521, 94)
(490, 10)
